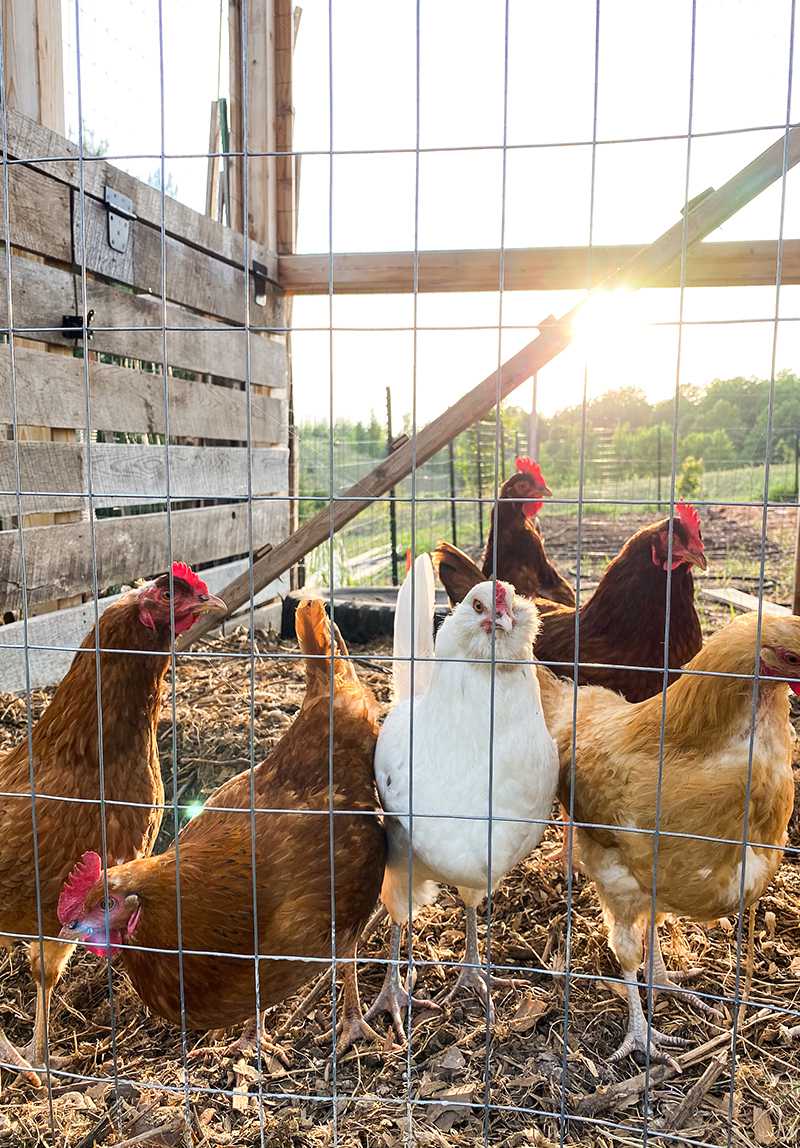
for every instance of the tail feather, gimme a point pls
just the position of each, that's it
(457, 572)
(313, 628)
(413, 631)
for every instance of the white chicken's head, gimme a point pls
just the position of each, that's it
(492, 614)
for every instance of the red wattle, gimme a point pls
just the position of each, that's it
(531, 509)
(795, 688)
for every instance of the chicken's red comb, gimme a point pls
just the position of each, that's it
(500, 598)
(185, 573)
(85, 874)
(530, 466)
(689, 517)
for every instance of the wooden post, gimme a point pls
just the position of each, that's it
(285, 191)
(451, 458)
(392, 505)
(34, 81)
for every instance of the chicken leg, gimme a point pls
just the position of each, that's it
(472, 975)
(46, 975)
(626, 941)
(393, 998)
(353, 1025)
(664, 981)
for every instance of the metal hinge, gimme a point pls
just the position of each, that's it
(120, 215)
(72, 326)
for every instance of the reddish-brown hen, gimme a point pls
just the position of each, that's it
(293, 873)
(134, 635)
(521, 556)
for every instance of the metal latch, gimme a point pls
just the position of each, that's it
(259, 283)
(120, 214)
(72, 326)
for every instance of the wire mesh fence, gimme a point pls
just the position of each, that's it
(198, 829)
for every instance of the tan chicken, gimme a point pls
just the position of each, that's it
(703, 785)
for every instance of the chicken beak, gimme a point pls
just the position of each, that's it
(544, 489)
(698, 558)
(213, 605)
(504, 622)
(68, 933)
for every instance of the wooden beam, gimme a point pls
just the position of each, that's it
(33, 61)
(284, 127)
(747, 263)
(556, 334)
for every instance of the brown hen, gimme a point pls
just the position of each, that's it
(214, 857)
(134, 635)
(521, 556)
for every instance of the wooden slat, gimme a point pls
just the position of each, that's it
(39, 214)
(122, 470)
(29, 140)
(194, 278)
(42, 295)
(59, 558)
(555, 335)
(732, 264)
(729, 596)
(61, 633)
(50, 392)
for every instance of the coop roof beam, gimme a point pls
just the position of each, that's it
(702, 217)
(746, 263)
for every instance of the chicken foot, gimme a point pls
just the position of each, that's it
(352, 1027)
(666, 982)
(636, 1036)
(394, 998)
(13, 1058)
(245, 1047)
(472, 977)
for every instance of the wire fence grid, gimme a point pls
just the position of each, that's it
(452, 496)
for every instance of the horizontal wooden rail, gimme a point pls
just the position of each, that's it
(746, 263)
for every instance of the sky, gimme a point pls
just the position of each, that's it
(456, 195)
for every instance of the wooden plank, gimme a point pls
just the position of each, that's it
(555, 335)
(50, 391)
(51, 64)
(235, 81)
(194, 278)
(729, 596)
(59, 558)
(732, 264)
(131, 474)
(43, 294)
(20, 56)
(53, 638)
(261, 199)
(29, 140)
(285, 189)
(39, 214)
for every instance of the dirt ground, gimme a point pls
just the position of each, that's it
(540, 1078)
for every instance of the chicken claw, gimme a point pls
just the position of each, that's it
(666, 982)
(15, 1059)
(245, 1047)
(636, 1041)
(394, 998)
(472, 976)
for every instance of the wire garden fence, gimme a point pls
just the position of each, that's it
(676, 790)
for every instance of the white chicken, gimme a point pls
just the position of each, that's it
(481, 779)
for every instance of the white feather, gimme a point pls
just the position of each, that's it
(467, 768)
(413, 630)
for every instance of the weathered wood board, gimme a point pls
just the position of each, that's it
(51, 391)
(59, 559)
(53, 638)
(130, 325)
(130, 474)
(739, 600)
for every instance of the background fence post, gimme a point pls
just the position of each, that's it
(479, 479)
(392, 505)
(451, 455)
(658, 465)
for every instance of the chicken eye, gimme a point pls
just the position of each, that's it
(109, 904)
(477, 605)
(792, 659)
